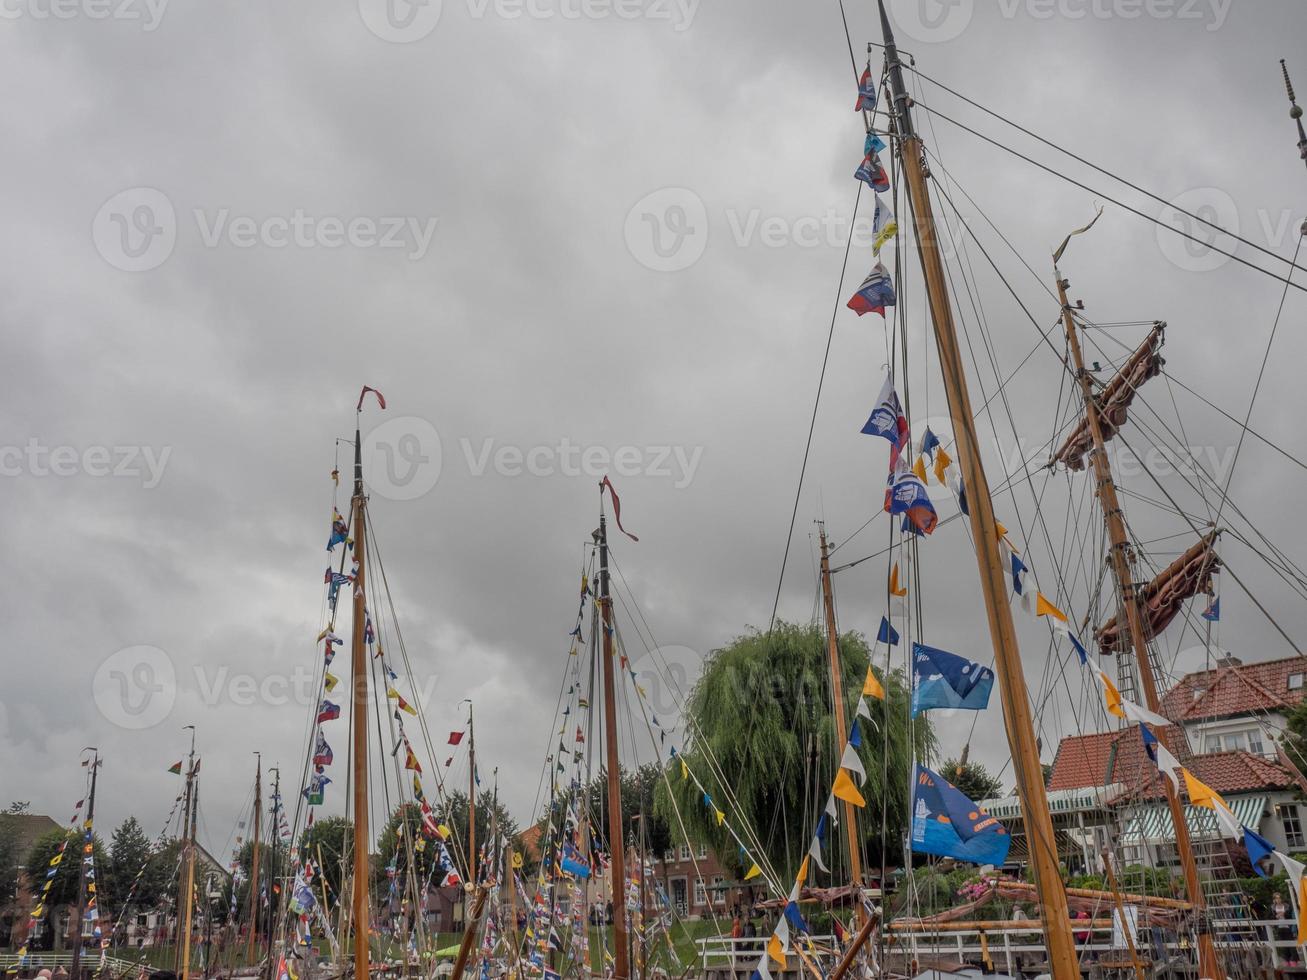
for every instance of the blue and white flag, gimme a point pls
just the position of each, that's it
(1213, 611)
(871, 172)
(875, 293)
(947, 823)
(866, 92)
(908, 496)
(888, 421)
(945, 680)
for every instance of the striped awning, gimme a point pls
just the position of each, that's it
(1153, 825)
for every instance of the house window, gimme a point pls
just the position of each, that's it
(678, 897)
(700, 892)
(669, 857)
(1292, 825)
(703, 852)
(1295, 682)
(718, 892)
(1212, 743)
(685, 852)
(1234, 742)
(1255, 742)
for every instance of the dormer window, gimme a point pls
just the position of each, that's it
(1296, 682)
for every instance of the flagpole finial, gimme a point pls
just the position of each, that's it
(1295, 113)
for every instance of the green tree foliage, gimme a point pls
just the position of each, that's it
(64, 889)
(762, 706)
(639, 792)
(329, 843)
(129, 852)
(972, 778)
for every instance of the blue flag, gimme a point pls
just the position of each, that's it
(945, 680)
(946, 823)
(871, 173)
(908, 496)
(1018, 566)
(1080, 649)
(887, 633)
(1213, 611)
(1258, 847)
(929, 442)
(866, 91)
(875, 293)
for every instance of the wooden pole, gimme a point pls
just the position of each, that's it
(859, 940)
(1063, 961)
(188, 892)
(616, 836)
(1209, 965)
(255, 858)
(841, 723)
(469, 934)
(1120, 911)
(359, 717)
(88, 832)
(471, 799)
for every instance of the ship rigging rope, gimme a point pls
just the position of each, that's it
(1119, 203)
(1293, 264)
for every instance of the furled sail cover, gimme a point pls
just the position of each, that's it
(1161, 598)
(1115, 399)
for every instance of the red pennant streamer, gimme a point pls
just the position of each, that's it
(381, 399)
(617, 507)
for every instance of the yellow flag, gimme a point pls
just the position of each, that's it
(330, 681)
(894, 588)
(776, 950)
(1302, 910)
(1045, 608)
(445, 832)
(685, 770)
(1112, 695)
(721, 817)
(942, 463)
(919, 469)
(803, 871)
(871, 687)
(754, 872)
(1200, 794)
(847, 790)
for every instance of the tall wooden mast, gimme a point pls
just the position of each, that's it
(1209, 965)
(1055, 918)
(838, 705)
(471, 799)
(359, 716)
(255, 857)
(88, 832)
(186, 896)
(616, 836)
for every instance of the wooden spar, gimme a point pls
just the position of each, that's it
(88, 830)
(359, 718)
(1062, 957)
(1024, 925)
(859, 940)
(839, 708)
(275, 896)
(1209, 965)
(469, 934)
(187, 896)
(471, 799)
(616, 837)
(255, 858)
(1120, 911)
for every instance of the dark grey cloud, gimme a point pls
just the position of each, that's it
(530, 319)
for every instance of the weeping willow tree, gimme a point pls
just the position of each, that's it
(763, 708)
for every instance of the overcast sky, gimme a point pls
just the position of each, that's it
(221, 220)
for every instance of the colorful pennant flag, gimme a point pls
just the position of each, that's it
(947, 823)
(945, 680)
(875, 293)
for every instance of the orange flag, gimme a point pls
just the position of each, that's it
(847, 790)
(894, 588)
(1045, 608)
(871, 687)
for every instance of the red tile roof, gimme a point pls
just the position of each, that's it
(1118, 757)
(1231, 690)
